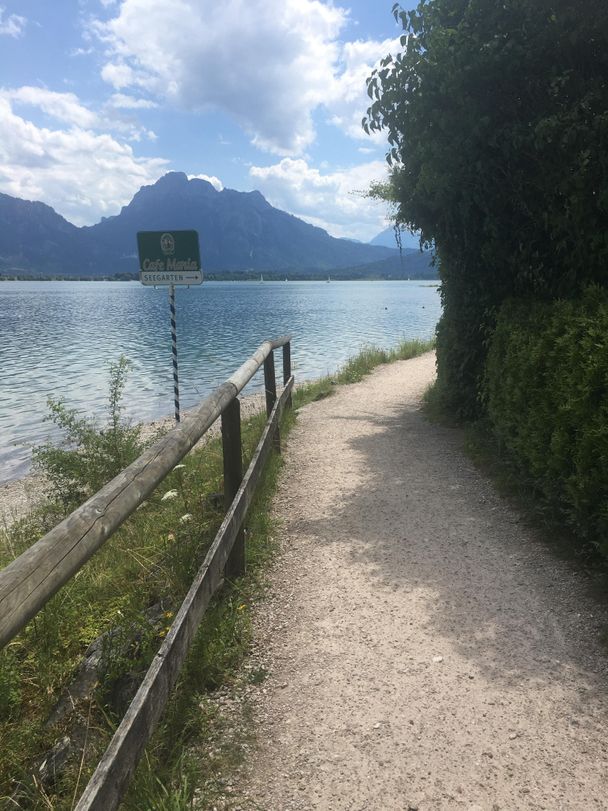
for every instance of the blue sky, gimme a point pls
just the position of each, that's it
(99, 97)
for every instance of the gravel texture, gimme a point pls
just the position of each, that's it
(425, 651)
(19, 497)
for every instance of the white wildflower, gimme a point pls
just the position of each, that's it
(185, 518)
(169, 495)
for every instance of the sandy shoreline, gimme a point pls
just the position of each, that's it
(19, 497)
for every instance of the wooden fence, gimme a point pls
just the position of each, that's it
(30, 581)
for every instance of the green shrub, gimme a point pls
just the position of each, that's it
(496, 116)
(546, 389)
(91, 455)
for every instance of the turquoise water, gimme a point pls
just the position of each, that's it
(57, 338)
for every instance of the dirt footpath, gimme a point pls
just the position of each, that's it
(425, 652)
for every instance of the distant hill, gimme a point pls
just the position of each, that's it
(410, 265)
(386, 239)
(34, 238)
(239, 231)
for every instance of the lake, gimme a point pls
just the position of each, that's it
(57, 338)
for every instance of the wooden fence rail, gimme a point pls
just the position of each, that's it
(110, 779)
(34, 577)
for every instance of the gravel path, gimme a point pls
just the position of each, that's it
(425, 652)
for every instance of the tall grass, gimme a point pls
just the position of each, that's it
(126, 595)
(369, 357)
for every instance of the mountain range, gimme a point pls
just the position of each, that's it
(238, 232)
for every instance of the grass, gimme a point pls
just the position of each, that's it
(362, 364)
(127, 594)
(129, 591)
(201, 739)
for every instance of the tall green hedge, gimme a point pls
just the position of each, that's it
(546, 389)
(496, 114)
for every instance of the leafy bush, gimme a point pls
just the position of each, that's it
(497, 123)
(91, 456)
(546, 388)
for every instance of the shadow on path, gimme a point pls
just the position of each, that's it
(420, 517)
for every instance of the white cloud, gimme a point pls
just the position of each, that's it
(82, 174)
(66, 107)
(62, 106)
(331, 200)
(125, 102)
(349, 100)
(267, 63)
(12, 25)
(215, 181)
(118, 74)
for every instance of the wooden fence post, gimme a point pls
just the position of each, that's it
(287, 368)
(233, 476)
(270, 384)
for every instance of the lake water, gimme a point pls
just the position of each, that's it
(57, 338)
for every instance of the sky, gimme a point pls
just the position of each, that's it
(101, 97)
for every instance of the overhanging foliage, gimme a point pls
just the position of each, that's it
(497, 120)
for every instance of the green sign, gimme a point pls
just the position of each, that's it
(169, 257)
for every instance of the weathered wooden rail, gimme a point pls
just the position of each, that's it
(30, 581)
